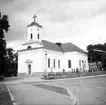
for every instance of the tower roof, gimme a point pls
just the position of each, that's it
(34, 22)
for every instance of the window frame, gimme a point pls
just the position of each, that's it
(58, 63)
(80, 64)
(48, 62)
(69, 63)
(38, 36)
(31, 36)
(54, 63)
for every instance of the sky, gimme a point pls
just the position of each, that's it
(81, 22)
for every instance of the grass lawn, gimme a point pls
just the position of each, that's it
(4, 96)
(54, 89)
(74, 75)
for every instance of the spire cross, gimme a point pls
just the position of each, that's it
(35, 18)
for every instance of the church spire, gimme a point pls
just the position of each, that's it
(34, 22)
(35, 18)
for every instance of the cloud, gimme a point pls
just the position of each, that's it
(80, 21)
(16, 45)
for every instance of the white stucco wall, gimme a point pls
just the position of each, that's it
(40, 57)
(54, 55)
(82, 57)
(34, 30)
(36, 56)
(34, 45)
(74, 57)
(70, 56)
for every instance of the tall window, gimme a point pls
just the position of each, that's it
(38, 36)
(54, 63)
(85, 64)
(80, 64)
(49, 62)
(58, 63)
(31, 36)
(69, 63)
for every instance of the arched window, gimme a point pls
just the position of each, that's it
(48, 62)
(29, 47)
(69, 63)
(85, 64)
(31, 36)
(58, 63)
(54, 63)
(80, 64)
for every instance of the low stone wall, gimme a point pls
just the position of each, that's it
(38, 74)
(21, 74)
(73, 74)
(33, 74)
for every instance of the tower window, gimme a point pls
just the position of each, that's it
(31, 36)
(38, 36)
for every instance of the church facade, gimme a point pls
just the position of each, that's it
(38, 55)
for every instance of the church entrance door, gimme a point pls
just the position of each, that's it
(29, 69)
(29, 66)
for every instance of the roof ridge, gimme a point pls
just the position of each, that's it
(73, 46)
(51, 46)
(65, 47)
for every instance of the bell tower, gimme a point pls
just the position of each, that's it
(34, 35)
(34, 31)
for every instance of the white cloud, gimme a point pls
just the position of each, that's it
(16, 45)
(82, 22)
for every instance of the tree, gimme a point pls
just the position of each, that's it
(10, 54)
(95, 56)
(11, 62)
(98, 55)
(104, 61)
(4, 26)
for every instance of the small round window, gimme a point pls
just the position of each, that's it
(29, 47)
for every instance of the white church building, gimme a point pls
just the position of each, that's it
(38, 55)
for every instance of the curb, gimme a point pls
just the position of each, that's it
(12, 97)
(63, 79)
(77, 78)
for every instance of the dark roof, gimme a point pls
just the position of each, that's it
(34, 23)
(68, 47)
(51, 46)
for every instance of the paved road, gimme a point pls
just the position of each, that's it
(87, 91)
(27, 94)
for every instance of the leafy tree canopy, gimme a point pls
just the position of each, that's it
(4, 26)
